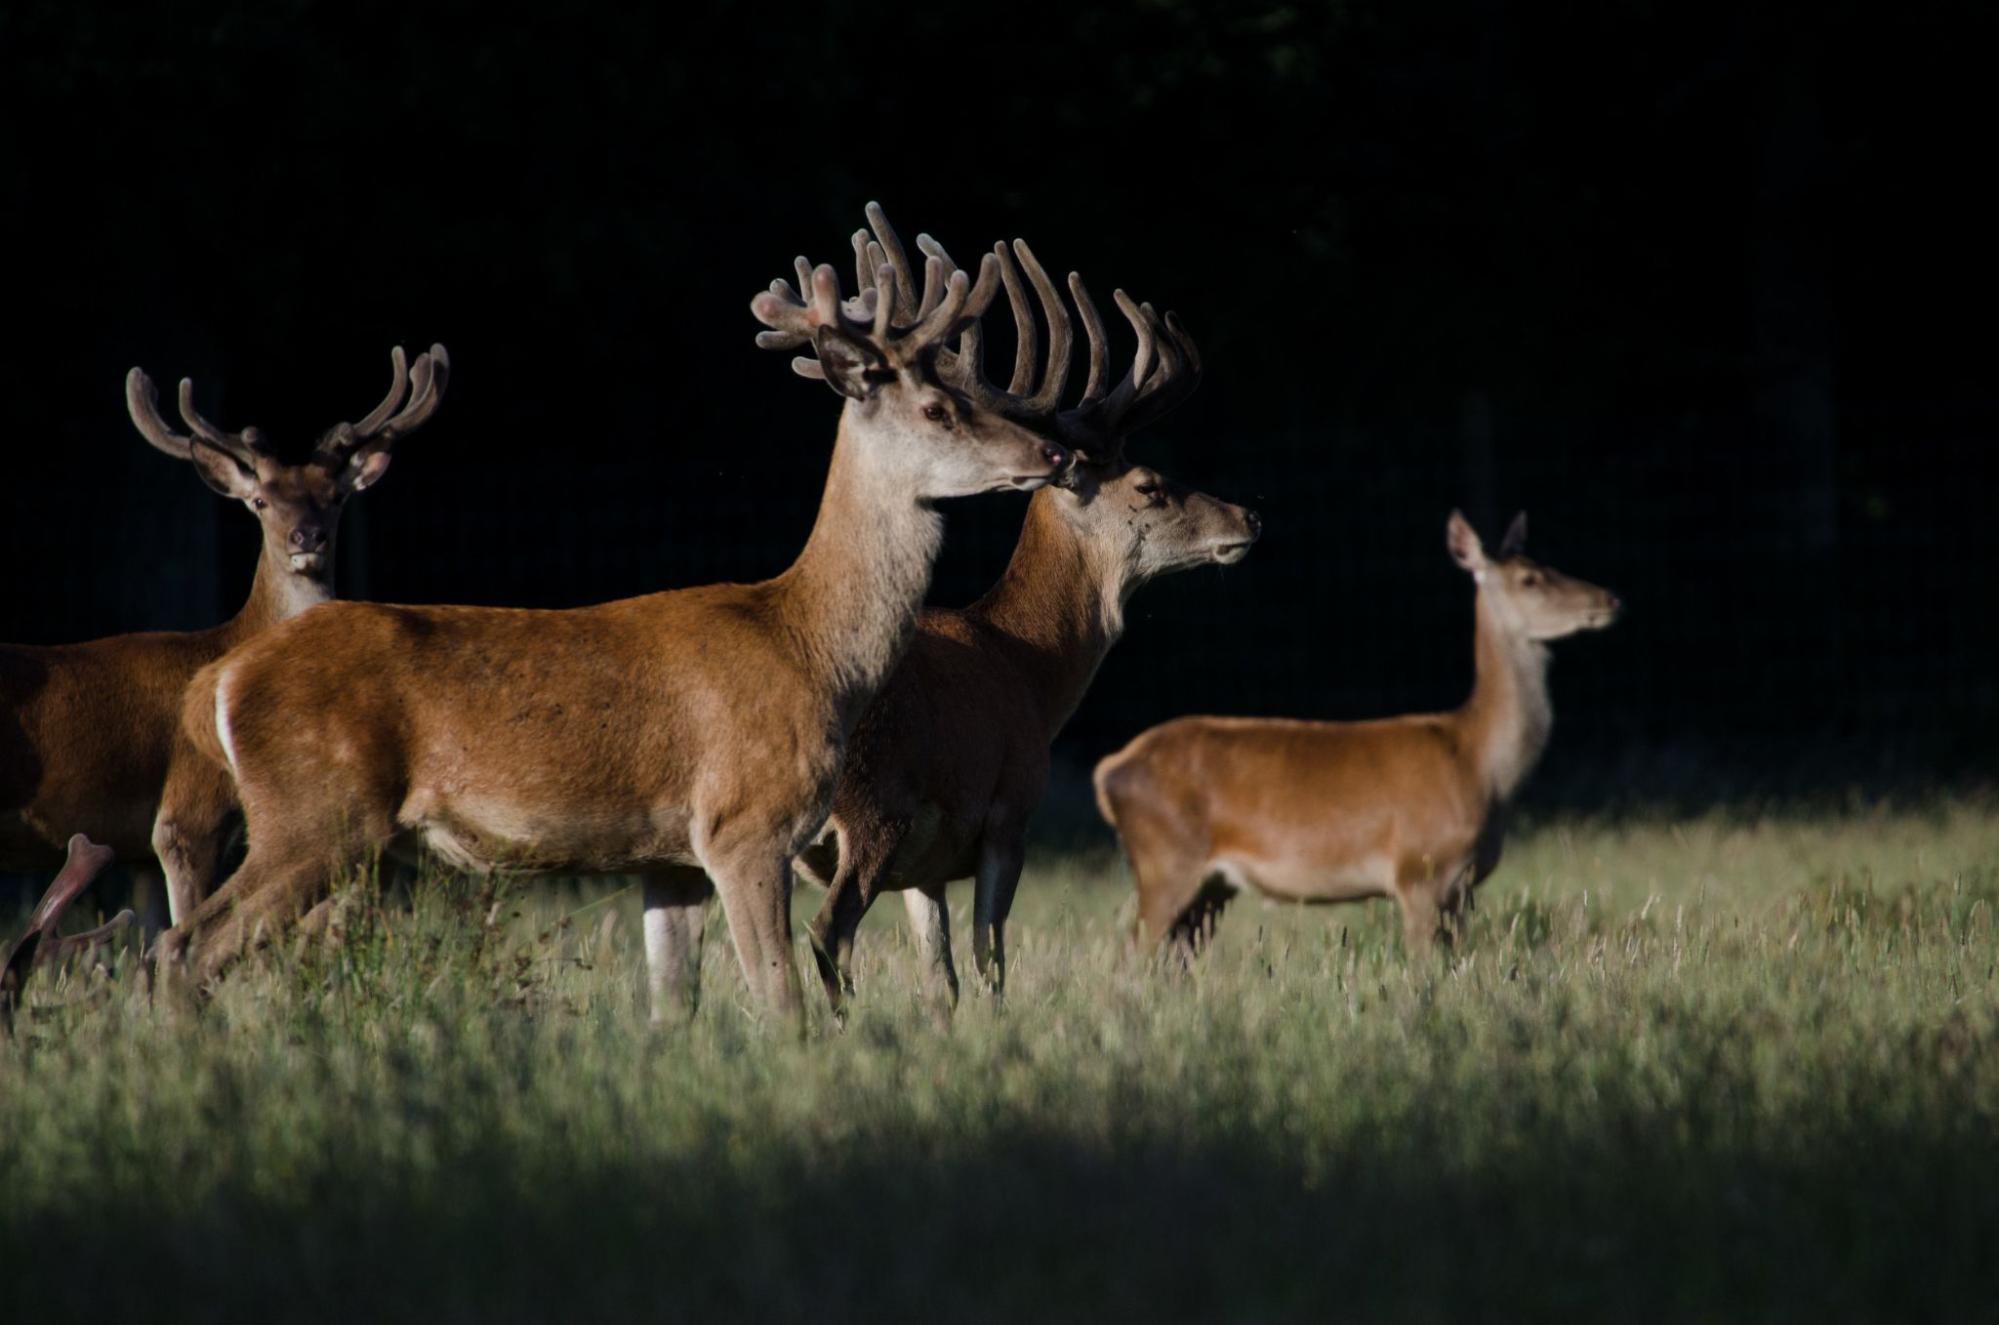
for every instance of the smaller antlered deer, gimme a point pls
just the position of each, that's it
(90, 733)
(1409, 807)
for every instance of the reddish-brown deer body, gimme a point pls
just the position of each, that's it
(1410, 808)
(690, 736)
(90, 733)
(951, 760)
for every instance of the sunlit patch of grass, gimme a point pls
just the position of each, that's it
(1739, 1066)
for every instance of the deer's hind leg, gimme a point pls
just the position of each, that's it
(675, 914)
(191, 830)
(930, 921)
(1195, 926)
(857, 878)
(291, 866)
(1433, 902)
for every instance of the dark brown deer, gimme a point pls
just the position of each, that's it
(688, 736)
(1411, 808)
(90, 734)
(948, 766)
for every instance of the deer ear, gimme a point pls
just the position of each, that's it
(1463, 542)
(365, 471)
(222, 471)
(1515, 541)
(847, 362)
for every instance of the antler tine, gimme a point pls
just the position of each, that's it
(1174, 379)
(1056, 376)
(907, 308)
(964, 301)
(1026, 339)
(863, 269)
(885, 300)
(1178, 375)
(1093, 331)
(142, 402)
(1122, 395)
(243, 445)
(935, 279)
(372, 421)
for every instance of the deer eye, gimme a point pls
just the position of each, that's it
(1530, 579)
(936, 413)
(259, 503)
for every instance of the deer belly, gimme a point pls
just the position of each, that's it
(486, 833)
(1300, 879)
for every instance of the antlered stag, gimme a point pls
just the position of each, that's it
(667, 735)
(90, 734)
(1411, 808)
(949, 764)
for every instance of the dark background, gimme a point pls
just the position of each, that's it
(1708, 289)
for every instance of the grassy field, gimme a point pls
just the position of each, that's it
(1734, 1068)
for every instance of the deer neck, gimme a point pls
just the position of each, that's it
(1057, 609)
(1509, 716)
(852, 596)
(277, 593)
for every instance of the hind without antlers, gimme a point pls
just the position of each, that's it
(691, 736)
(1412, 808)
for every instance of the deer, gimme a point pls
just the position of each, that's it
(947, 767)
(691, 736)
(1411, 807)
(91, 739)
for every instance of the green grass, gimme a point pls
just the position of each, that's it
(1727, 1069)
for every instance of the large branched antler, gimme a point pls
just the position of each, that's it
(886, 313)
(1165, 368)
(142, 402)
(381, 426)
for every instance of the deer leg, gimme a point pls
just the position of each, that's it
(152, 902)
(755, 884)
(1168, 882)
(1001, 857)
(190, 831)
(1453, 901)
(1423, 912)
(675, 913)
(856, 881)
(1196, 924)
(930, 920)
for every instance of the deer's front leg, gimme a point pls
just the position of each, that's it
(755, 884)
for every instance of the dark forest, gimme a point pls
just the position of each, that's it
(1705, 289)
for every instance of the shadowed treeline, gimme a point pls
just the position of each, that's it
(1703, 287)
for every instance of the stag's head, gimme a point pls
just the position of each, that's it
(881, 350)
(298, 504)
(1527, 599)
(1129, 512)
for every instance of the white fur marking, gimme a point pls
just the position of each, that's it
(222, 722)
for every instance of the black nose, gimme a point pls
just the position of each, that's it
(1054, 455)
(309, 538)
(1255, 523)
(1616, 603)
